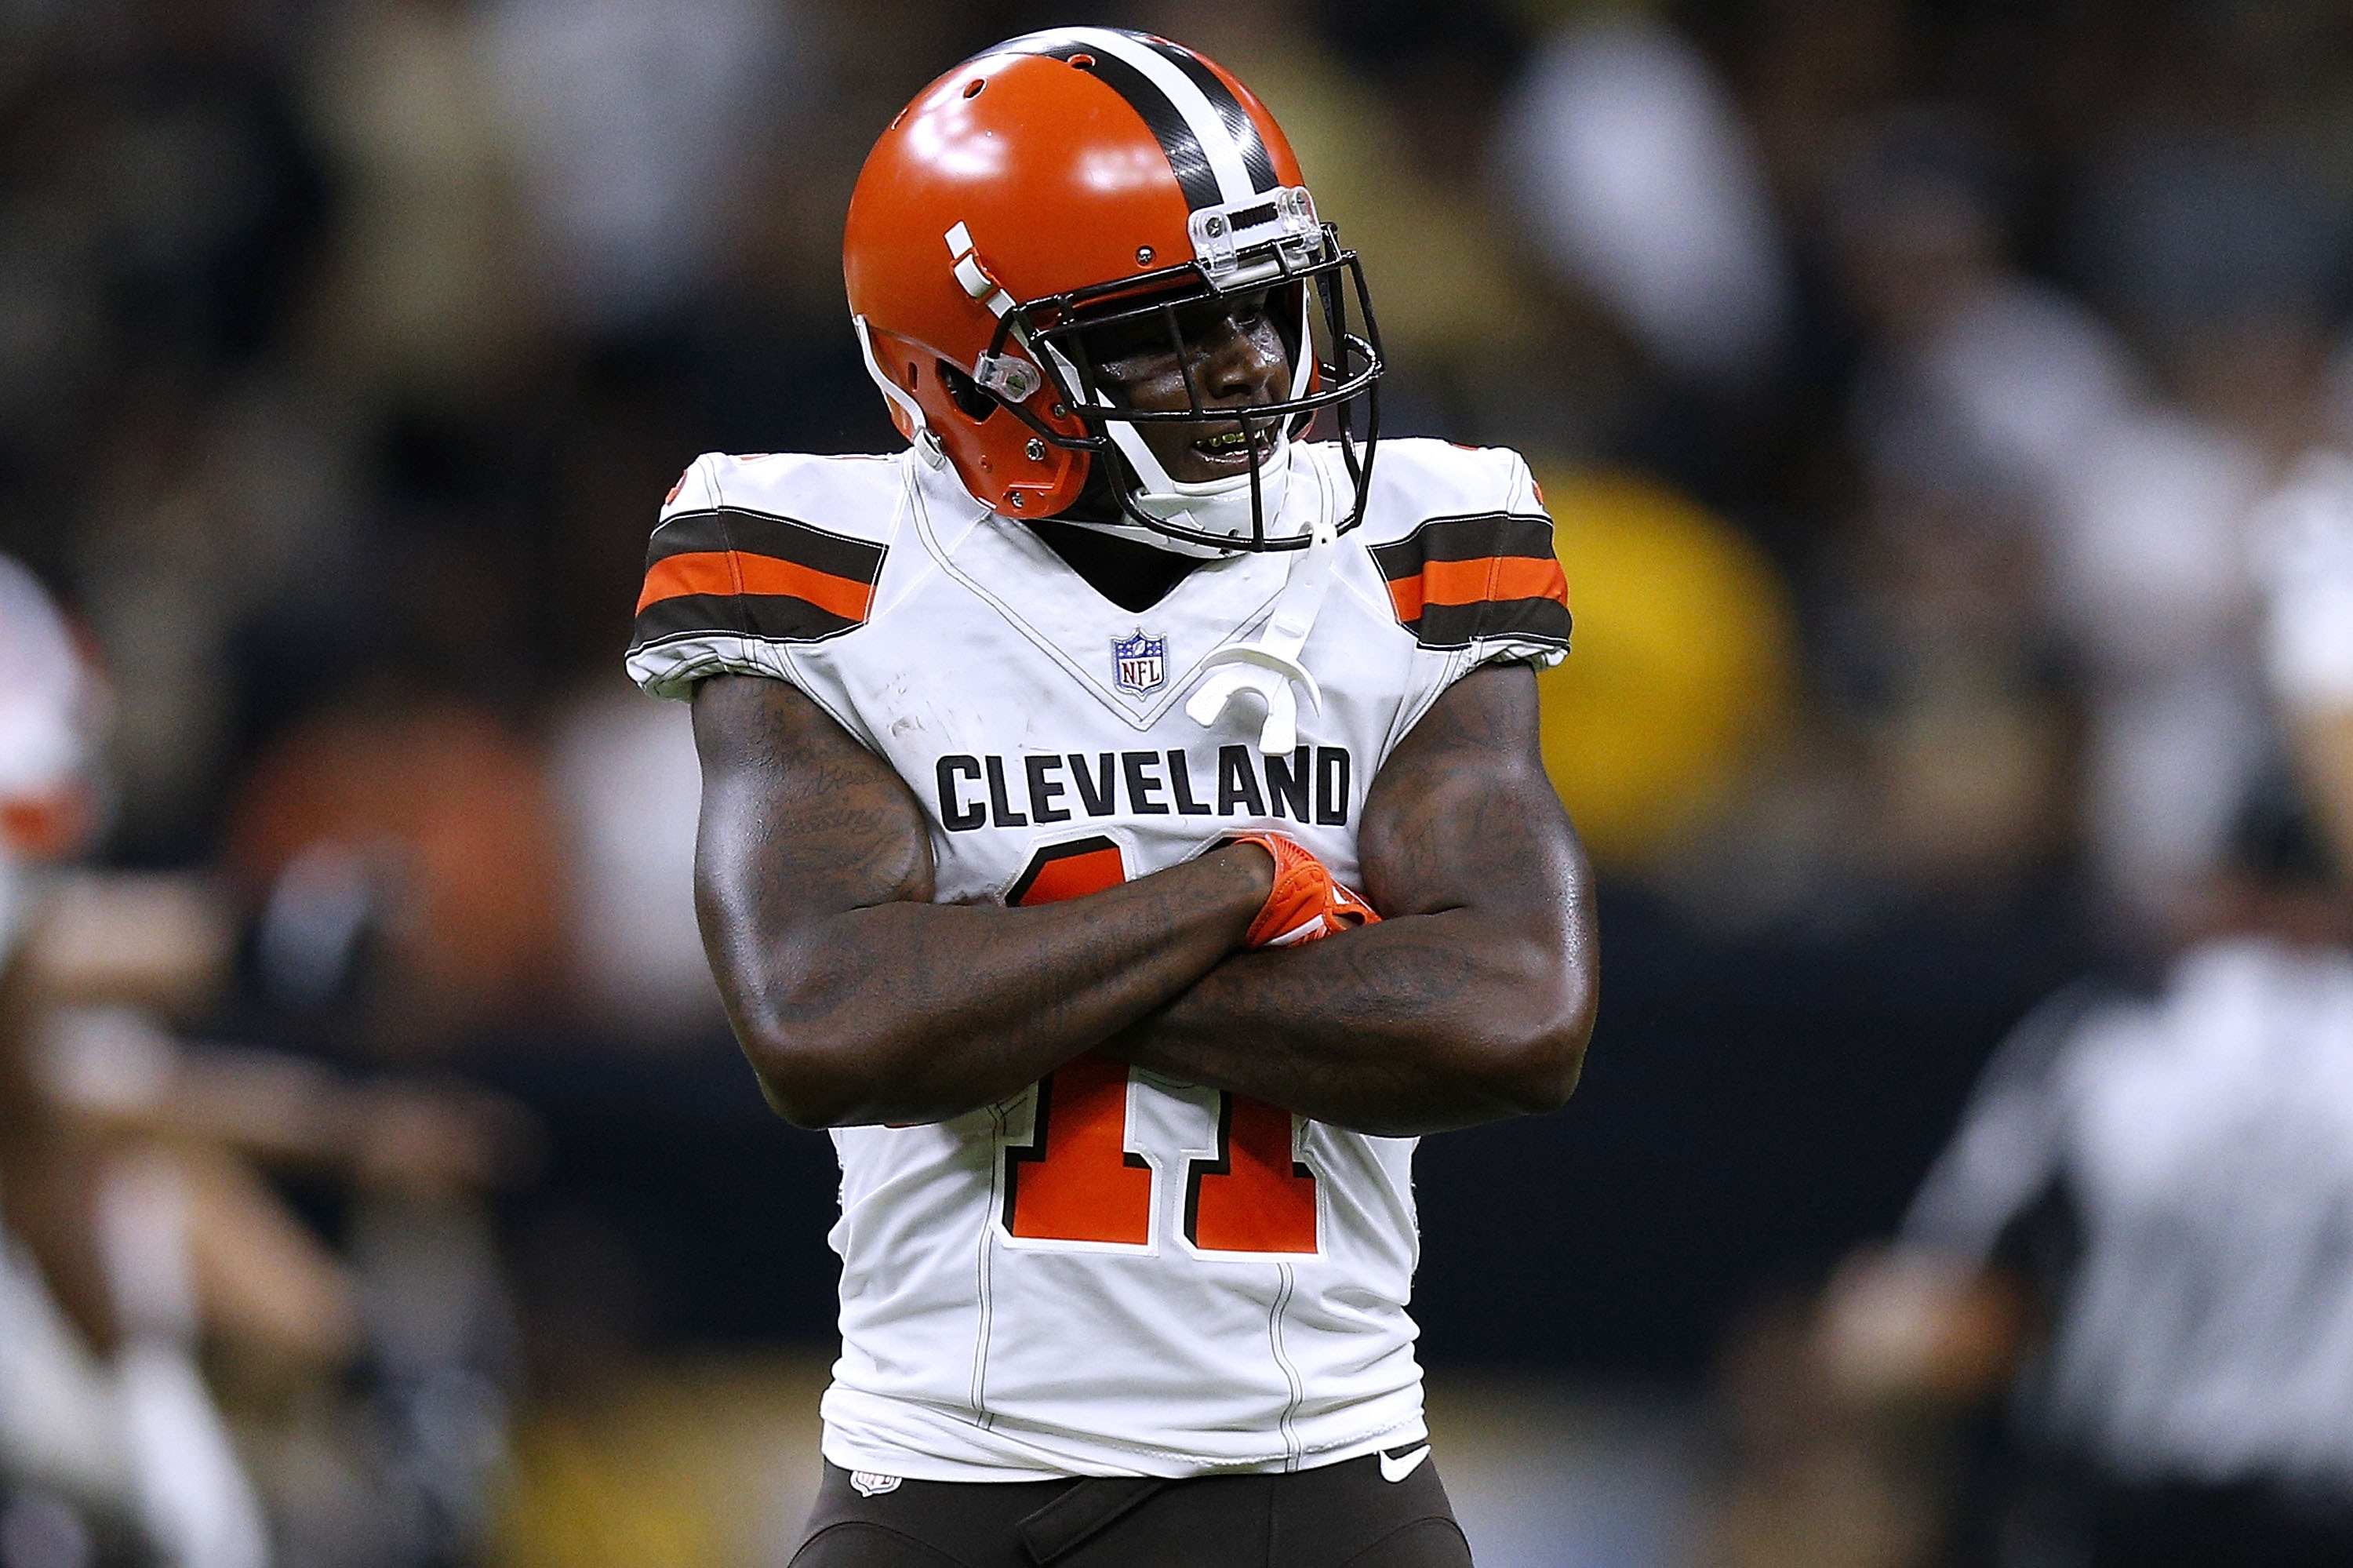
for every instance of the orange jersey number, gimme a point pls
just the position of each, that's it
(1076, 1181)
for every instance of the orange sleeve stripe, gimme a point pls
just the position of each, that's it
(1489, 577)
(725, 572)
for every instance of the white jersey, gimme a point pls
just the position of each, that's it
(1112, 1272)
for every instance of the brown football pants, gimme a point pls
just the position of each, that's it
(1338, 1516)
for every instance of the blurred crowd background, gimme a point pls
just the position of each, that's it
(1936, 399)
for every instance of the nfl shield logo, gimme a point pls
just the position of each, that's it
(1139, 663)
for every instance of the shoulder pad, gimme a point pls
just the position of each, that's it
(1417, 478)
(752, 553)
(856, 497)
(1465, 550)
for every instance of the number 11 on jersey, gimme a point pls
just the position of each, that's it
(1076, 1180)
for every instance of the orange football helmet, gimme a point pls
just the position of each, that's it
(1073, 179)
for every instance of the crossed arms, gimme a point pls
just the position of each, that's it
(859, 1000)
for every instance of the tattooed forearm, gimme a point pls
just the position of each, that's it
(1471, 999)
(1405, 980)
(855, 998)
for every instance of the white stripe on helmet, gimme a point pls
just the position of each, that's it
(1201, 116)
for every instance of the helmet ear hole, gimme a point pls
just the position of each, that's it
(971, 400)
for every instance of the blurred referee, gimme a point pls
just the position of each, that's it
(2171, 1176)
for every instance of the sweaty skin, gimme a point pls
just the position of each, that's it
(1234, 357)
(857, 999)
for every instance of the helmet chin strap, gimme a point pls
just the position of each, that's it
(1224, 507)
(919, 429)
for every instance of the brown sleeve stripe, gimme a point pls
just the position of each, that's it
(1469, 539)
(751, 574)
(1460, 580)
(762, 534)
(1541, 620)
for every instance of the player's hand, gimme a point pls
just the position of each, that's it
(1306, 905)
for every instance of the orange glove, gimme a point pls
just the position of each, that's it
(1305, 903)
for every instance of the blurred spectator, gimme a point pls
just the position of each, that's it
(107, 1429)
(160, 200)
(2304, 542)
(1975, 391)
(423, 291)
(220, 510)
(1643, 188)
(402, 852)
(52, 709)
(630, 126)
(138, 1230)
(1818, 1478)
(1969, 363)
(2225, 256)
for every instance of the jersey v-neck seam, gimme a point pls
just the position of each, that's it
(910, 504)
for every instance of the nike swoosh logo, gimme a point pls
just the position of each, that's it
(1403, 1464)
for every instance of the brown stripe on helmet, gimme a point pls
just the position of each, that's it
(1188, 159)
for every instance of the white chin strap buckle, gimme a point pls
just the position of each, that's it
(1269, 668)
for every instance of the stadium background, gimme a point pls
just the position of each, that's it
(1899, 375)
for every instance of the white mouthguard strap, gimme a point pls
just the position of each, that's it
(1269, 667)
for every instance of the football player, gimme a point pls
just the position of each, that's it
(1042, 762)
